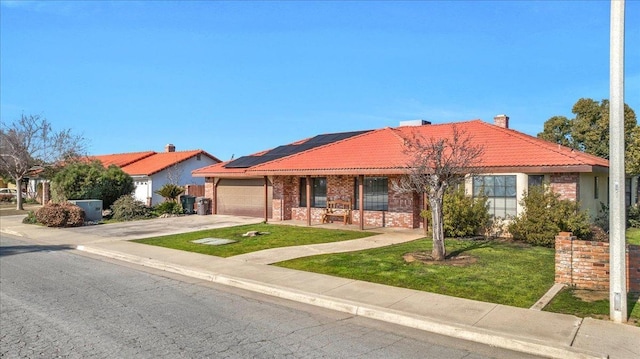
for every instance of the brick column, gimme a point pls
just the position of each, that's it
(564, 258)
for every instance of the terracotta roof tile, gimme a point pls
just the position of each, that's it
(160, 161)
(149, 162)
(121, 159)
(382, 151)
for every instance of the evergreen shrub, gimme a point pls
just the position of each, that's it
(60, 215)
(545, 215)
(127, 208)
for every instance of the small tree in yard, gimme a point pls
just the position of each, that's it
(170, 192)
(31, 142)
(437, 164)
(82, 180)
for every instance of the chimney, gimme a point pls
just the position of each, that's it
(414, 123)
(169, 148)
(501, 121)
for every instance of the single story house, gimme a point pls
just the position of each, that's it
(361, 166)
(151, 170)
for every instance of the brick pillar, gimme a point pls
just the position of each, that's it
(564, 258)
(633, 268)
(46, 192)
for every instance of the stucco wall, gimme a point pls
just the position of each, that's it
(179, 174)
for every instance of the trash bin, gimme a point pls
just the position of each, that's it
(187, 203)
(203, 205)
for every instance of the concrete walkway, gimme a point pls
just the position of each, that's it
(274, 255)
(531, 331)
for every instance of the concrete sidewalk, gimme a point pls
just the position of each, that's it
(542, 333)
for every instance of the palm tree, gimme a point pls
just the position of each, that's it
(170, 192)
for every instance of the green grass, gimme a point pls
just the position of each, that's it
(633, 236)
(569, 303)
(9, 209)
(279, 236)
(505, 273)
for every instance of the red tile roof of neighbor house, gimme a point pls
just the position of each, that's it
(121, 159)
(149, 163)
(382, 151)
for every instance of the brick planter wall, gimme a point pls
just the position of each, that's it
(585, 264)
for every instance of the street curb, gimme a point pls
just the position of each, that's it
(483, 336)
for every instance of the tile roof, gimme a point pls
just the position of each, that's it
(150, 162)
(382, 151)
(121, 159)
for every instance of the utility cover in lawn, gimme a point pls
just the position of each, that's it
(214, 241)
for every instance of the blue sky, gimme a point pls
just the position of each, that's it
(234, 78)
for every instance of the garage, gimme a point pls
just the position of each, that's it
(243, 197)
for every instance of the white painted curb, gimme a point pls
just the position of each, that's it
(459, 331)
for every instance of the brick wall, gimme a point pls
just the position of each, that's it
(340, 187)
(567, 185)
(585, 264)
(285, 197)
(404, 209)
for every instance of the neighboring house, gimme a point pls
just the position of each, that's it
(274, 184)
(151, 170)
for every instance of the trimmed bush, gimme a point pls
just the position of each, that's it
(633, 216)
(127, 208)
(60, 215)
(545, 215)
(602, 219)
(168, 207)
(464, 216)
(598, 234)
(76, 215)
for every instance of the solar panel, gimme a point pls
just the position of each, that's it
(288, 150)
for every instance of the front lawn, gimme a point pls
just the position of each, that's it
(505, 273)
(278, 236)
(595, 304)
(633, 236)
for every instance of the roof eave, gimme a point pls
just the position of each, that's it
(546, 169)
(400, 171)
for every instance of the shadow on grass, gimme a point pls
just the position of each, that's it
(474, 244)
(632, 302)
(13, 250)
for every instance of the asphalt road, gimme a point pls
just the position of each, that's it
(55, 302)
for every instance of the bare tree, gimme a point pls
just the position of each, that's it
(437, 164)
(31, 142)
(175, 173)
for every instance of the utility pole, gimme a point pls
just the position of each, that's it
(617, 248)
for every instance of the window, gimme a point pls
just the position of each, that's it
(376, 194)
(536, 180)
(318, 192)
(596, 187)
(501, 192)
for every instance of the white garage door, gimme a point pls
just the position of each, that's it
(142, 191)
(243, 197)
